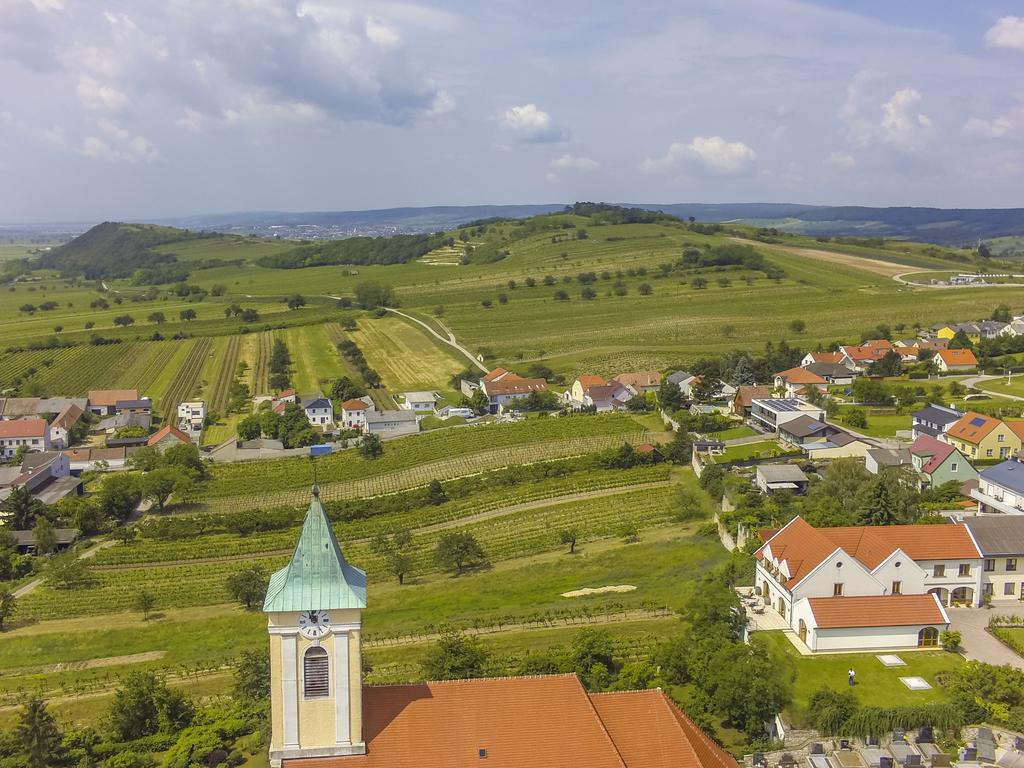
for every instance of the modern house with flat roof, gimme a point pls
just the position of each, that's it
(1000, 538)
(771, 413)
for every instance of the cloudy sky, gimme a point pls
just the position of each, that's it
(129, 109)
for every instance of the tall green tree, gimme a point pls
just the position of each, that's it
(455, 656)
(456, 550)
(44, 537)
(248, 586)
(38, 735)
(22, 508)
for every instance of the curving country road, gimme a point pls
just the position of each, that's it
(450, 340)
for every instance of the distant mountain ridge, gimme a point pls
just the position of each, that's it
(944, 226)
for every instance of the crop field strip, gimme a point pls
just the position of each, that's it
(186, 378)
(224, 545)
(502, 538)
(220, 388)
(406, 357)
(261, 368)
(411, 451)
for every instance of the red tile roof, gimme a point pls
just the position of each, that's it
(804, 548)
(354, 405)
(523, 722)
(876, 611)
(877, 344)
(800, 376)
(639, 379)
(936, 451)
(513, 385)
(589, 380)
(23, 428)
(67, 418)
(827, 357)
(953, 357)
(650, 731)
(170, 429)
(864, 354)
(109, 397)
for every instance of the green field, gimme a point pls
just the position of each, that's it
(877, 685)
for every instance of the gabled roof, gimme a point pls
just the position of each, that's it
(494, 375)
(997, 534)
(952, 357)
(320, 402)
(639, 379)
(800, 376)
(67, 418)
(876, 611)
(20, 407)
(547, 721)
(679, 377)
(937, 414)
(1008, 474)
(826, 357)
(354, 405)
(865, 354)
(140, 403)
(781, 473)
(825, 370)
(108, 398)
(877, 344)
(165, 431)
(973, 427)
(805, 426)
(23, 428)
(317, 576)
(511, 384)
(935, 450)
(746, 394)
(589, 380)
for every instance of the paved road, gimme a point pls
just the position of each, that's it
(974, 381)
(979, 644)
(449, 340)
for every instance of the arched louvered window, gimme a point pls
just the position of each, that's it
(316, 673)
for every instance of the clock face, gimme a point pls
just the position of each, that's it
(314, 624)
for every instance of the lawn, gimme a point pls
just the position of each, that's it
(763, 449)
(407, 358)
(878, 426)
(999, 386)
(734, 433)
(1012, 636)
(877, 685)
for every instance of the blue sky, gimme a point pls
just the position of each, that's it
(123, 109)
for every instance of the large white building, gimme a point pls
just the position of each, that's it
(33, 434)
(901, 576)
(772, 413)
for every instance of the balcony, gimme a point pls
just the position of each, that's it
(996, 503)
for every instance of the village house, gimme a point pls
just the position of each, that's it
(822, 357)
(138, 405)
(885, 586)
(934, 420)
(744, 398)
(48, 407)
(503, 388)
(641, 382)
(419, 401)
(688, 386)
(103, 402)
(83, 459)
(947, 360)
(118, 421)
(806, 430)
(192, 416)
(877, 459)
(322, 716)
(319, 412)
(62, 424)
(772, 413)
(861, 357)
(353, 412)
(937, 462)
(19, 408)
(46, 475)
(980, 437)
(1000, 538)
(798, 381)
(33, 434)
(1001, 489)
(1014, 328)
(833, 373)
(593, 392)
(391, 423)
(838, 445)
(287, 396)
(167, 436)
(64, 538)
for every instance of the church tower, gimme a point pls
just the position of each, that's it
(314, 610)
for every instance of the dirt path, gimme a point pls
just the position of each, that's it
(450, 340)
(875, 266)
(434, 528)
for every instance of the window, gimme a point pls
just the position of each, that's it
(965, 569)
(988, 452)
(953, 467)
(987, 589)
(897, 587)
(316, 673)
(837, 590)
(1009, 588)
(1001, 438)
(1011, 563)
(990, 565)
(938, 571)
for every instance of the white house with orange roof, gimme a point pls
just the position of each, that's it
(955, 360)
(867, 587)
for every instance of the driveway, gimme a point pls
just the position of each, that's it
(979, 644)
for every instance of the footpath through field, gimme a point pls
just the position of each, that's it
(450, 340)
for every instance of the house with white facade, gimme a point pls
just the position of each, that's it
(319, 412)
(419, 401)
(391, 423)
(33, 434)
(62, 424)
(1001, 489)
(772, 413)
(889, 572)
(1000, 538)
(192, 416)
(934, 420)
(503, 388)
(353, 412)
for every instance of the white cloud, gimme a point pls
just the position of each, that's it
(552, 178)
(97, 96)
(383, 35)
(842, 160)
(444, 103)
(118, 143)
(529, 123)
(569, 162)
(999, 127)
(711, 153)
(902, 126)
(1008, 32)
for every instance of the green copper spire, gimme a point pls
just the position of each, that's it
(317, 576)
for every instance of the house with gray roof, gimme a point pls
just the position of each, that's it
(1000, 539)
(934, 420)
(780, 477)
(392, 423)
(878, 459)
(1001, 489)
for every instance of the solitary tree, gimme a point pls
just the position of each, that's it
(371, 446)
(797, 326)
(455, 657)
(568, 536)
(158, 485)
(435, 493)
(457, 550)
(248, 586)
(144, 603)
(252, 676)
(187, 315)
(157, 317)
